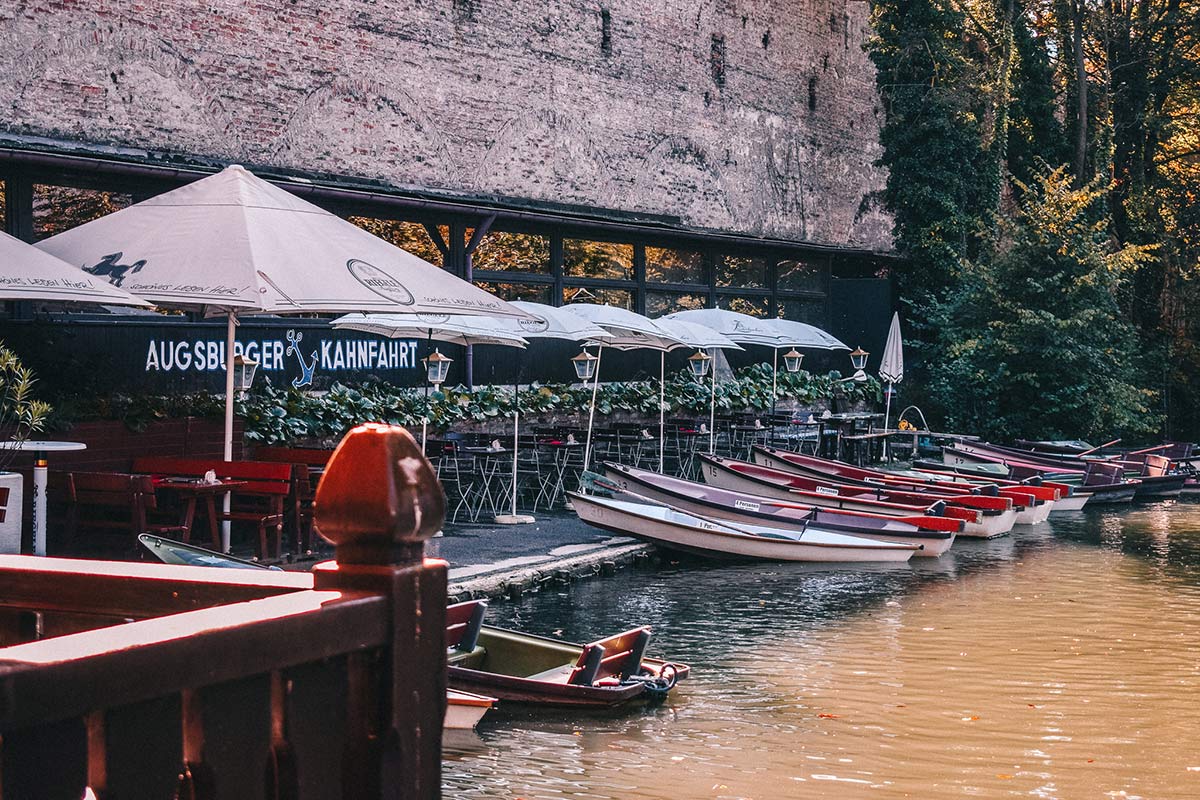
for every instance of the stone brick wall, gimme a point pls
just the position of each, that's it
(746, 116)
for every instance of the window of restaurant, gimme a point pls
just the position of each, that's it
(803, 274)
(587, 259)
(61, 208)
(753, 306)
(808, 309)
(666, 265)
(661, 303)
(410, 236)
(505, 251)
(622, 298)
(741, 272)
(533, 292)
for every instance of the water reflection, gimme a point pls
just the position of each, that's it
(1062, 662)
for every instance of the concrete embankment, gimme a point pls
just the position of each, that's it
(496, 561)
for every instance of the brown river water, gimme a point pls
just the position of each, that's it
(1060, 662)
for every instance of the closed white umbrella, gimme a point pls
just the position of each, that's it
(628, 331)
(233, 243)
(701, 337)
(891, 368)
(27, 273)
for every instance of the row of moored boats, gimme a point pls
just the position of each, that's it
(789, 506)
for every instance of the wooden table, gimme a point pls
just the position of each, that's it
(190, 492)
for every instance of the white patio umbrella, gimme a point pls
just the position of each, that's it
(891, 368)
(702, 337)
(543, 322)
(440, 327)
(27, 273)
(629, 331)
(546, 322)
(773, 333)
(233, 244)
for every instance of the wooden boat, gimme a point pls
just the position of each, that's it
(1087, 474)
(1069, 498)
(679, 530)
(1105, 486)
(1153, 471)
(522, 668)
(934, 534)
(465, 709)
(743, 476)
(1033, 504)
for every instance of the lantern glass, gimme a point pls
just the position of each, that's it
(792, 359)
(437, 367)
(585, 365)
(698, 363)
(858, 359)
(243, 372)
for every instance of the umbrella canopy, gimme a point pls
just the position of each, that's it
(629, 331)
(693, 334)
(27, 273)
(741, 328)
(801, 334)
(548, 322)
(891, 369)
(440, 327)
(233, 242)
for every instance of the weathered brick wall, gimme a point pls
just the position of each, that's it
(750, 116)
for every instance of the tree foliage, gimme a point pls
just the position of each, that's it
(1022, 95)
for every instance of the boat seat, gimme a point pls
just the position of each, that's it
(559, 674)
(463, 623)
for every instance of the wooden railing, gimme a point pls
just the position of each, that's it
(154, 681)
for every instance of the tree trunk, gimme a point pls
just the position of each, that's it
(1081, 89)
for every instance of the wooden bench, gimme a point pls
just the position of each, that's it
(308, 465)
(258, 501)
(107, 503)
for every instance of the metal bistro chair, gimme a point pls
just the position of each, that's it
(456, 472)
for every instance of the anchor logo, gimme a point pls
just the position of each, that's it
(294, 338)
(116, 272)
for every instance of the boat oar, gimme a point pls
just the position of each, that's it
(1147, 450)
(1101, 447)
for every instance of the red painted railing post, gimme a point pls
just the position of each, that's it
(378, 502)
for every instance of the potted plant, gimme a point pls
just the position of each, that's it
(20, 416)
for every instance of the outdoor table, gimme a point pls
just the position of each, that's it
(40, 471)
(190, 491)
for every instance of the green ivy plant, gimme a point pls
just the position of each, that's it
(283, 415)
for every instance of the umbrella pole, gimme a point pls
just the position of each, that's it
(662, 398)
(587, 448)
(774, 384)
(712, 409)
(887, 413)
(230, 330)
(514, 518)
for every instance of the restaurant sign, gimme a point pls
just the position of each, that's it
(284, 354)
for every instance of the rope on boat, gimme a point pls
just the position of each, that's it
(656, 686)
